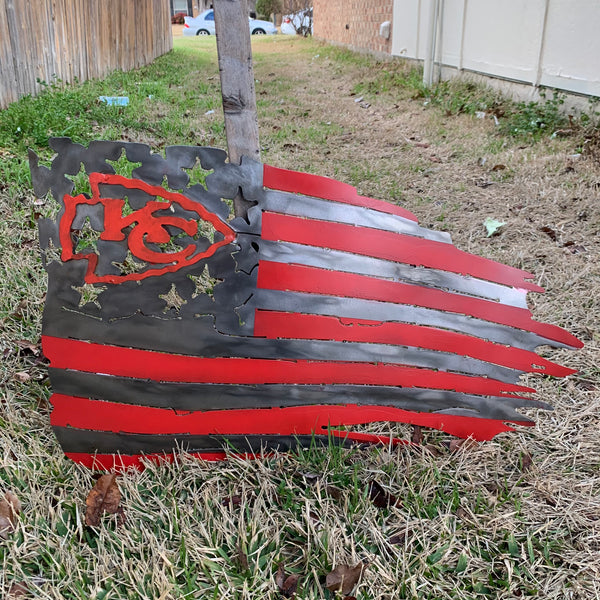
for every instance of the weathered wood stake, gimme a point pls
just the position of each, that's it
(237, 85)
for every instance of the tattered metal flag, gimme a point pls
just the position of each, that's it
(322, 309)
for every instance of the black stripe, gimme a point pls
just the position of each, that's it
(90, 442)
(196, 396)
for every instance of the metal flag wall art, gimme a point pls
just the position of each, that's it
(169, 324)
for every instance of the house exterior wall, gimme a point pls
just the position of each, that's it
(353, 23)
(184, 6)
(519, 48)
(531, 43)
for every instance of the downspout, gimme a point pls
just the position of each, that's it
(539, 69)
(428, 66)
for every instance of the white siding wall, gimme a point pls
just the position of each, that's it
(553, 43)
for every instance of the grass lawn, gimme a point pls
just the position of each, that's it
(518, 517)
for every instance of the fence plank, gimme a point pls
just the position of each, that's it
(7, 70)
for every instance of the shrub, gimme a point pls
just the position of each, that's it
(265, 8)
(178, 18)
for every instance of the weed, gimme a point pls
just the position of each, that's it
(533, 120)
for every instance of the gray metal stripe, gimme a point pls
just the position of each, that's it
(206, 397)
(368, 352)
(292, 253)
(325, 210)
(353, 308)
(91, 442)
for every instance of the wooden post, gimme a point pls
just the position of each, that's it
(237, 85)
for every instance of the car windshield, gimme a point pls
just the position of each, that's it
(210, 16)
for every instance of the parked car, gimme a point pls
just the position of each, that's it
(204, 24)
(300, 23)
(258, 27)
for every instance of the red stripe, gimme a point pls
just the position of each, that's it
(275, 324)
(123, 462)
(392, 246)
(158, 366)
(328, 189)
(313, 280)
(99, 415)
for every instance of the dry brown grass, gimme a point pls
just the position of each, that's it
(475, 523)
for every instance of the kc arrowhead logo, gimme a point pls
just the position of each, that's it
(143, 229)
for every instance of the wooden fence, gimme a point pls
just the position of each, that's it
(69, 40)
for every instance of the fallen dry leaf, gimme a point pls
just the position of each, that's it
(417, 435)
(310, 477)
(433, 450)
(343, 578)
(526, 462)
(10, 507)
(334, 492)
(18, 313)
(14, 501)
(231, 501)
(482, 183)
(18, 590)
(461, 513)
(22, 376)
(25, 346)
(398, 538)
(467, 444)
(290, 585)
(6, 527)
(280, 575)
(287, 585)
(551, 233)
(381, 498)
(242, 558)
(105, 496)
(574, 248)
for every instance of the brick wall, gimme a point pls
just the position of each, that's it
(354, 23)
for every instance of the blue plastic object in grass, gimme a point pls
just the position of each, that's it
(115, 100)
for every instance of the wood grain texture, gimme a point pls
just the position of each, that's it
(237, 85)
